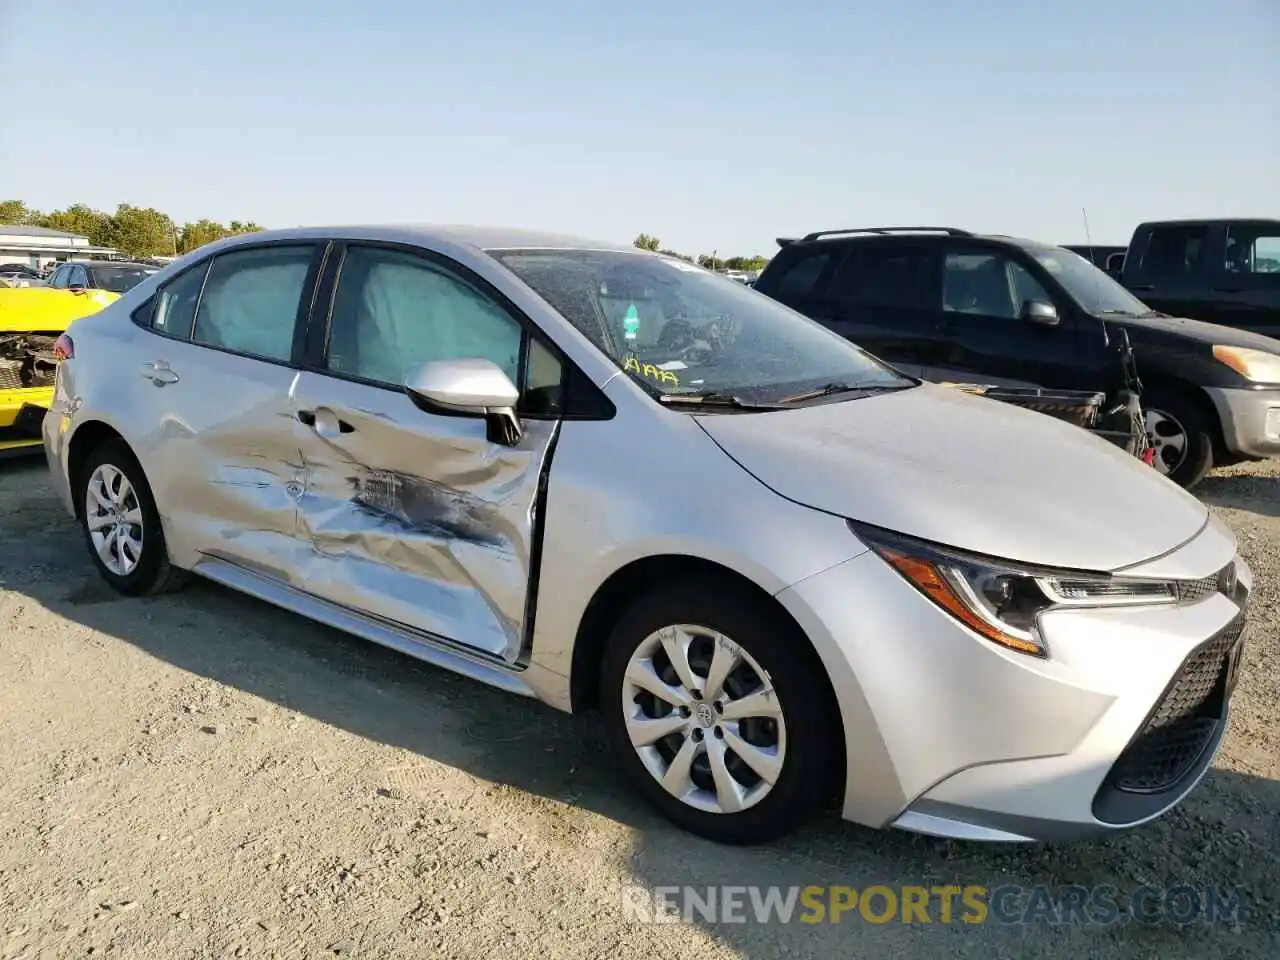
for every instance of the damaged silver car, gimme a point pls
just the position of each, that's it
(606, 478)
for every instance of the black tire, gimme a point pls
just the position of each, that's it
(1197, 459)
(154, 572)
(776, 644)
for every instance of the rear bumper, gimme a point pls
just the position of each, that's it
(1250, 420)
(21, 414)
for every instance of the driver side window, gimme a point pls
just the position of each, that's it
(393, 311)
(989, 284)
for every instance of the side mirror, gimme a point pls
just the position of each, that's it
(1038, 311)
(468, 388)
(76, 288)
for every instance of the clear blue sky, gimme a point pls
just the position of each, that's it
(710, 124)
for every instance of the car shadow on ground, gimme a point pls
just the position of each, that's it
(1226, 837)
(1236, 489)
(1250, 487)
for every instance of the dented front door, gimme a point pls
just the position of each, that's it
(416, 518)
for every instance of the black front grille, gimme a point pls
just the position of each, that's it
(1185, 720)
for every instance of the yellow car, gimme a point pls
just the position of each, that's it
(31, 319)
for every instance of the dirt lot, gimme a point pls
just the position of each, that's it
(204, 776)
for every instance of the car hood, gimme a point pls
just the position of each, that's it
(1198, 330)
(968, 472)
(30, 309)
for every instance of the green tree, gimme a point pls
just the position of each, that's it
(141, 231)
(646, 242)
(15, 211)
(678, 256)
(237, 227)
(746, 263)
(196, 235)
(80, 219)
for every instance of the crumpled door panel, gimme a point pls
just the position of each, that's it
(415, 518)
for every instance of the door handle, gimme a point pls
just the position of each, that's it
(324, 422)
(1228, 289)
(158, 372)
(1142, 286)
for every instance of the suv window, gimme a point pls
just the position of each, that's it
(78, 277)
(889, 275)
(175, 304)
(59, 278)
(990, 284)
(251, 299)
(395, 310)
(1252, 250)
(800, 276)
(1174, 252)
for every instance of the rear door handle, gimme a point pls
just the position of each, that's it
(1142, 286)
(1228, 289)
(325, 422)
(158, 372)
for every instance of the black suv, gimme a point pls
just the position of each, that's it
(948, 305)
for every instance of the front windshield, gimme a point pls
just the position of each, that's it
(678, 329)
(120, 279)
(1090, 287)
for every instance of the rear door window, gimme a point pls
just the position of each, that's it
(252, 298)
(1175, 252)
(895, 275)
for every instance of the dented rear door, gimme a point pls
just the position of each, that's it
(413, 517)
(214, 374)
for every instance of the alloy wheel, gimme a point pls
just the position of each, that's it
(113, 517)
(1168, 438)
(703, 717)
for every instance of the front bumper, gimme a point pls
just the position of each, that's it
(1250, 420)
(21, 413)
(948, 734)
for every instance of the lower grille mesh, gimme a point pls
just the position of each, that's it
(1184, 722)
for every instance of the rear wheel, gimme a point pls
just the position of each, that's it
(715, 714)
(121, 524)
(1181, 435)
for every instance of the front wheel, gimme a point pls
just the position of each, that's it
(121, 524)
(1181, 435)
(716, 715)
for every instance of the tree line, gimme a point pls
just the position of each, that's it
(134, 231)
(147, 232)
(708, 261)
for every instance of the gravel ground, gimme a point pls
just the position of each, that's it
(201, 775)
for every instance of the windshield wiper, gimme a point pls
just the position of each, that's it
(716, 399)
(831, 389)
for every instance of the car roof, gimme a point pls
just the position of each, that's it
(909, 234)
(1208, 221)
(480, 237)
(109, 263)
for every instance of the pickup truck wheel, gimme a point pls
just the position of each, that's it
(1181, 435)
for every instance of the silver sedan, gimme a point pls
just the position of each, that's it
(606, 478)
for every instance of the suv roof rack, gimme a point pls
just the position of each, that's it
(949, 231)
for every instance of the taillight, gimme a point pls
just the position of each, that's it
(63, 348)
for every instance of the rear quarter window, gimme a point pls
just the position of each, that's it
(798, 278)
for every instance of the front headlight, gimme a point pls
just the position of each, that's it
(1003, 601)
(1255, 365)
